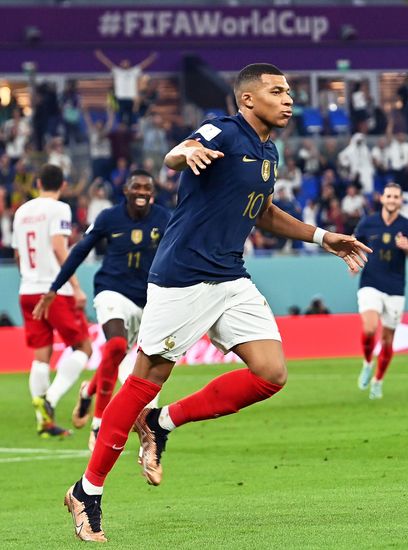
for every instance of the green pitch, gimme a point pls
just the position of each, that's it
(317, 467)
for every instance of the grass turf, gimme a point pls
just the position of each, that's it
(317, 466)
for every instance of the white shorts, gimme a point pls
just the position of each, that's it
(113, 305)
(231, 313)
(390, 308)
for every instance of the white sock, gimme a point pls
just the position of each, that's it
(368, 364)
(154, 403)
(165, 421)
(126, 367)
(84, 391)
(89, 488)
(96, 423)
(39, 380)
(68, 373)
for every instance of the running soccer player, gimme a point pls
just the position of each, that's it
(40, 233)
(381, 295)
(198, 284)
(133, 231)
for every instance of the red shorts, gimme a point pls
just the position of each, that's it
(63, 316)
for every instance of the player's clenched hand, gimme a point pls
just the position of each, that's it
(198, 158)
(348, 248)
(80, 298)
(402, 242)
(43, 305)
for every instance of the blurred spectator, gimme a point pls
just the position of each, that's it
(23, 188)
(167, 187)
(81, 213)
(294, 310)
(126, 83)
(46, 116)
(290, 178)
(148, 94)
(100, 148)
(308, 157)
(58, 156)
(121, 138)
(71, 113)
(155, 144)
(380, 160)
(6, 250)
(5, 320)
(335, 216)
(357, 163)
(352, 207)
(317, 306)
(402, 94)
(329, 154)
(17, 131)
(6, 173)
(359, 107)
(98, 199)
(118, 178)
(327, 194)
(7, 110)
(397, 155)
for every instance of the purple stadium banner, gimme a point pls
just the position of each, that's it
(297, 38)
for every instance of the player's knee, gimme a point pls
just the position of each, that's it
(274, 372)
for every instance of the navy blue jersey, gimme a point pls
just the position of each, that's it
(217, 210)
(131, 247)
(385, 269)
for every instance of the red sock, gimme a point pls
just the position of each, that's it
(384, 359)
(113, 353)
(91, 389)
(368, 343)
(117, 421)
(224, 395)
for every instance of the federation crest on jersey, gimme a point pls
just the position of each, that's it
(386, 238)
(266, 170)
(155, 234)
(136, 236)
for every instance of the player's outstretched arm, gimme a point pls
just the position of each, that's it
(191, 154)
(100, 56)
(346, 247)
(148, 61)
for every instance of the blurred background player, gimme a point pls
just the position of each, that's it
(133, 230)
(41, 230)
(381, 295)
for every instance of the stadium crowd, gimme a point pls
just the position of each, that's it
(328, 176)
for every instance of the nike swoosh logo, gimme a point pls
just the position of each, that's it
(78, 528)
(114, 235)
(115, 448)
(246, 159)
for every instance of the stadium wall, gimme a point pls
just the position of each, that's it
(284, 281)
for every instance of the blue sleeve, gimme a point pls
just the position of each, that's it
(80, 251)
(359, 231)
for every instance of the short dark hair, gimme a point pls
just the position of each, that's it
(392, 184)
(51, 177)
(139, 172)
(254, 72)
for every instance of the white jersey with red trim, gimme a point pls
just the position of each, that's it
(35, 222)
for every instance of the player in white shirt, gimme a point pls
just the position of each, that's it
(126, 82)
(40, 230)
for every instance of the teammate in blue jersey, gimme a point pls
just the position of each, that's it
(198, 284)
(381, 295)
(133, 230)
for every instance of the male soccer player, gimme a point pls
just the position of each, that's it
(133, 230)
(381, 295)
(40, 230)
(198, 284)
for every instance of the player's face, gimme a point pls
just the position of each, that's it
(139, 193)
(272, 103)
(391, 199)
